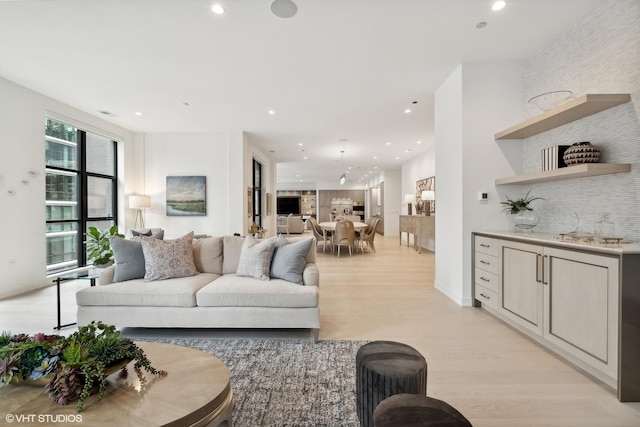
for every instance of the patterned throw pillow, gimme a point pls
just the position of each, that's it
(255, 258)
(166, 259)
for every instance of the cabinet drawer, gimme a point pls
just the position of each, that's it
(486, 245)
(486, 279)
(486, 296)
(487, 262)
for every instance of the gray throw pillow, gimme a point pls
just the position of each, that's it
(149, 233)
(166, 259)
(289, 261)
(129, 259)
(255, 258)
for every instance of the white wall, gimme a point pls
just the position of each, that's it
(22, 217)
(421, 167)
(476, 101)
(225, 158)
(251, 152)
(600, 55)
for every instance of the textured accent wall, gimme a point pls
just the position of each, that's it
(600, 55)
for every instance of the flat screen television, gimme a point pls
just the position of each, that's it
(288, 205)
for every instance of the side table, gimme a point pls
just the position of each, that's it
(81, 273)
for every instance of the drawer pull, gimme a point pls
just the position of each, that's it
(484, 262)
(484, 296)
(485, 246)
(484, 279)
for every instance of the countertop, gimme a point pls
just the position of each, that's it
(554, 239)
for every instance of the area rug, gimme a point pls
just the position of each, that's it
(286, 382)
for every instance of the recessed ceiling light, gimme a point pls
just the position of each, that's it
(217, 9)
(397, 158)
(388, 143)
(300, 144)
(375, 167)
(297, 175)
(481, 25)
(138, 113)
(305, 157)
(272, 112)
(375, 157)
(498, 5)
(418, 142)
(408, 150)
(350, 167)
(407, 110)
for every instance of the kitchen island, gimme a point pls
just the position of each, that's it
(579, 299)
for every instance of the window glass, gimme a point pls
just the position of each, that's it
(100, 155)
(99, 197)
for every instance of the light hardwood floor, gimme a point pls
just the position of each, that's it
(489, 372)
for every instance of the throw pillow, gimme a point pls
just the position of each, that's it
(289, 261)
(255, 258)
(157, 235)
(129, 259)
(166, 259)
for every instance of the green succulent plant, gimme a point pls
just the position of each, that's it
(73, 365)
(519, 205)
(98, 245)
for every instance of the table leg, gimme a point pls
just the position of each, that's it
(57, 282)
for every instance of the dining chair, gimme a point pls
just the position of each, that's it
(317, 232)
(370, 233)
(344, 235)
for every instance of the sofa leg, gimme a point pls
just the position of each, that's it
(315, 332)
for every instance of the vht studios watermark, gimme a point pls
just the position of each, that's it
(43, 418)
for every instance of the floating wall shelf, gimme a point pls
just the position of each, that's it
(568, 112)
(576, 171)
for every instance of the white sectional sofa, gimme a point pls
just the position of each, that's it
(215, 296)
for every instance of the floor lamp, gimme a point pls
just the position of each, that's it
(140, 203)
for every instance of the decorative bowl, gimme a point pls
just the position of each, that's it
(548, 100)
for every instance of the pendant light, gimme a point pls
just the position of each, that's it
(343, 177)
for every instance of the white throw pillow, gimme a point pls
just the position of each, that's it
(255, 258)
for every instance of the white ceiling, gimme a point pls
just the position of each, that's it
(339, 69)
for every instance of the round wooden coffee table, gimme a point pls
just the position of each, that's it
(196, 392)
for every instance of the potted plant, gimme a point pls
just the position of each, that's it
(98, 246)
(522, 215)
(70, 368)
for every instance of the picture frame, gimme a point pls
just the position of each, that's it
(427, 207)
(186, 196)
(269, 203)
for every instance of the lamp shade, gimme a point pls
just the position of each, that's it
(409, 198)
(428, 195)
(139, 202)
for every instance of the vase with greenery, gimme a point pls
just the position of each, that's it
(522, 214)
(98, 246)
(70, 368)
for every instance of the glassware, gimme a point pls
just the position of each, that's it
(604, 228)
(525, 220)
(579, 232)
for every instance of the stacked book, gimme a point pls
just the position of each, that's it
(552, 157)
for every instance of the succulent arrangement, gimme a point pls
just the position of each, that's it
(71, 367)
(519, 205)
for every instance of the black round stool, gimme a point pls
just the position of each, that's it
(412, 410)
(385, 368)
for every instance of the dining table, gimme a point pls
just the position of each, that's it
(331, 226)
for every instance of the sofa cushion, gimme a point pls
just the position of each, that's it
(129, 258)
(232, 247)
(178, 292)
(255, 258)
(289, 259)
(207, 254)
(166, 259)
(232, 290)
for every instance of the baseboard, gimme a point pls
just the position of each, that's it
(455, 297)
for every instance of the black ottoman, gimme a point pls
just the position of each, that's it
(412, 410)
(385, 368)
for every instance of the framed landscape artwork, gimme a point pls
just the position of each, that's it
(186, 196)
(423, 205)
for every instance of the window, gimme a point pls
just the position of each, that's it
(81, 189)
(257, 193)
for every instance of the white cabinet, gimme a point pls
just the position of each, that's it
(522, 293)
(581, 306)
(568, 300)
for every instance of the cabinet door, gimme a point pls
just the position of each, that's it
(581, 306)
(522, 291)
